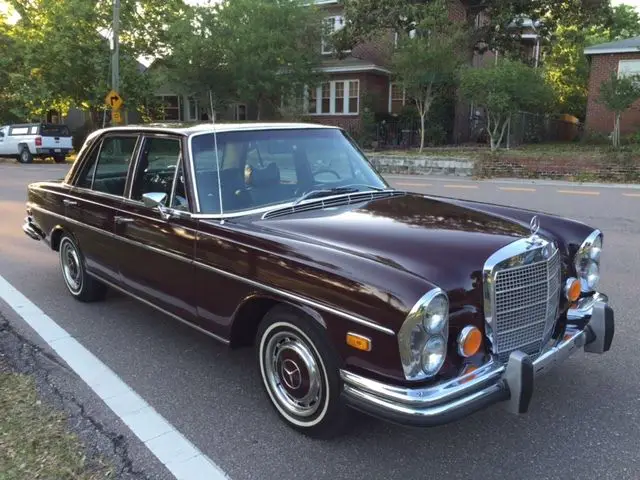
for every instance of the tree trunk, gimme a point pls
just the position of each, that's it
(616, 131)
(422, 128)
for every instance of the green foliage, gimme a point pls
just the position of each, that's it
(367, 19)
(199, 63)
(59, 55)
(503, 90)
(566, 67)
(427, 62)
(272, 47)
(254, 50)
(618, 94)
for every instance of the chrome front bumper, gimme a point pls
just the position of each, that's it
(590, 326)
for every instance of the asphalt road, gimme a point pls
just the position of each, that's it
(583, 422)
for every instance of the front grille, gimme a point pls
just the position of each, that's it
(525, 302)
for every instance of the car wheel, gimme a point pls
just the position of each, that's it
(300, 373)
(80, 285)
(59, 159)
(25, 155)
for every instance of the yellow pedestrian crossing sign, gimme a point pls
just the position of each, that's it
(113, 100)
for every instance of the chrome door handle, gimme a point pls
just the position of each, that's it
(120, 219)
(68, 202)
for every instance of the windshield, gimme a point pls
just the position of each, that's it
(262, 168)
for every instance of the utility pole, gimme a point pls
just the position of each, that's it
(115, 53)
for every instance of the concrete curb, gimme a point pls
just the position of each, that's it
(422, 165)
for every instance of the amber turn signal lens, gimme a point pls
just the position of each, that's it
(469, 341)
(359, 342)
(572, 289)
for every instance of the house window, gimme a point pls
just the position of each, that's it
(333, 24)
(339, 102)
(628, 67)
(170, 109)
(338, 97)
(240, 112)
(325, 103)
(397, 98)
(193, 109)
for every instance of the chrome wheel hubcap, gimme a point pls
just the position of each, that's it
(71, 266)
(293, 374)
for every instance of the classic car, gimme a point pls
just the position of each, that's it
(417, 309)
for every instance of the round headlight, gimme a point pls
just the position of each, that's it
(436, 314)
(434, 354)
(587, 262)
(422, 339)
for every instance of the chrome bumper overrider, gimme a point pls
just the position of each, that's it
(591, 326)
(32, 230)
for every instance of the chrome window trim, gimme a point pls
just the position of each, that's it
(534, 247)
(192, 167)
(283, 293)
(124, 201)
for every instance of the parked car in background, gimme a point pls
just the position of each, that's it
(415, 308)
(27, 141)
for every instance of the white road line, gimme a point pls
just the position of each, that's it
(183, 459)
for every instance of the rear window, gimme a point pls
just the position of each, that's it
(55, 131)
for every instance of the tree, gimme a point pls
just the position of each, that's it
(427, 63)
(62, 56)
(199, 63)
(618, 94)
(566, 67)
(365, 19)
(503, 90)
(272, 47)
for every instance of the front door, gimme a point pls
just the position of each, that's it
(157, 265)
(94, 201)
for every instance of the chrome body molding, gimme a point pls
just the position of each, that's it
(276, 291)
(453, 399)
(161, 310)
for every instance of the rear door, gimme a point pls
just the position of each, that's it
(95, 200)
(56, 138)
(157, 263)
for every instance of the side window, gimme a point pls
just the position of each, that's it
(107, 170)
(156, 169)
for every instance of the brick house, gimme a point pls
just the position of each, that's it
(360, 80)
(365, 73)
(622, 57)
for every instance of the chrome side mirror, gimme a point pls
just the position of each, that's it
(157, 200)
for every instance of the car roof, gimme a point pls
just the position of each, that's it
(217, 127)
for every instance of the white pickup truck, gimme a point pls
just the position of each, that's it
(27, 141)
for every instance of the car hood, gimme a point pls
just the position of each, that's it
(442, 242)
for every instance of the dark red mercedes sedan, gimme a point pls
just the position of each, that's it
(414, 308)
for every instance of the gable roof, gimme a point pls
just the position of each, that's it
(628, 45)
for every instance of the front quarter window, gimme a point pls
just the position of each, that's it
(260, 169)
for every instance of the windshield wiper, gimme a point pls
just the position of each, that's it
(334, 191)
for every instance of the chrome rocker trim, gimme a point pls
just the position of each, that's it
(494, 382)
